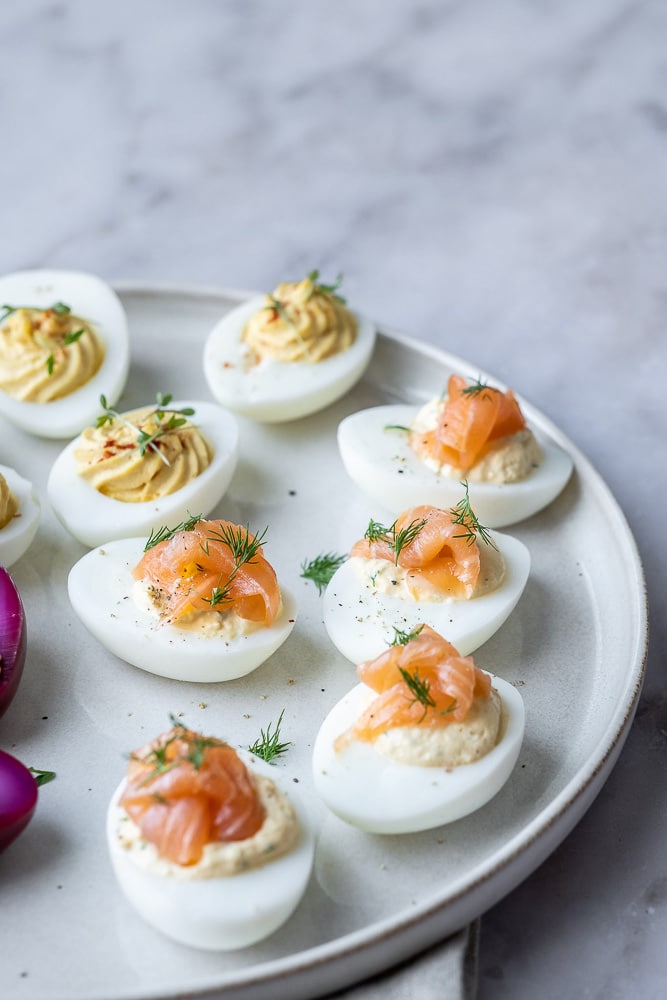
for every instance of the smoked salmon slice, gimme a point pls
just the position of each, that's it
(213, 566)
(185, 790)
(420, 680)
(436, 547)
(474, 418)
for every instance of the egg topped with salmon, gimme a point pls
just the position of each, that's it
(475, 432)
(431, 565)
(207, 846)
(289, 353)
(198, 602)
(425, 738)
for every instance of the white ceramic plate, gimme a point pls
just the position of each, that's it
(574, 646)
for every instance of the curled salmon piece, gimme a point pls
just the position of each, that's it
(185, 790)
(439, 549)
(474, 418)
(423, 681)
(214, 566)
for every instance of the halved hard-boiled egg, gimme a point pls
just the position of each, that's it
(198, 603)
(425, 740)
(19, 515)
(136, 471)
(431, 566)
(400, 457)
(210, 849)
(64, 342)
(285, 355)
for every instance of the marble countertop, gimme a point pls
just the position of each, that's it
(492, 177)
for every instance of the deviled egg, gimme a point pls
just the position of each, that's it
(400, 457)
(431, 565)
(136, 471)
(63, 342)
(288, 354)
(199, 602)
(19, 515)
(425, 739)
(206, 843)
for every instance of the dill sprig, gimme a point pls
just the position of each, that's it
(397, 540)
(176, 419)
(419, 688)
(477, 388)
(321, 569)
(158, 757)
(403, 638)
(165, 534)
(268, 745)
(243, 547)
(398, 427)
(463, 515)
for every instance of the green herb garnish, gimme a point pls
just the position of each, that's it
(419, 689)
(397, 540)
(42, 777)
(321, 569)
(464, 515)
(268, 746)
(403, 638)
(477, 388)
(398, 427)
(323, 289)
(59, 308)
(165, 534)
(176, 419)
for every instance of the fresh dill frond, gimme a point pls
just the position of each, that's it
(403, 638)
(376, 531)
(463, 515)
(165, 534)
(321, 569)
(406, 535)
(268, 746)
(419, 688)
(242, 545)
(477, 388)
(398, 427)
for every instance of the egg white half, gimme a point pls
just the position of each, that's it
(360, 621)
(387, 470)
(371, 791)
(271, 391)
(219, 914)
(100, 588)
(94, 518)
(16, 537)
(95, 301)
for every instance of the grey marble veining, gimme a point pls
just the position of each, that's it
(491, 177)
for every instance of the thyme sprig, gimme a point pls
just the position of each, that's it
(176, 419)
(321, 569)
(268, 745)
(397, 540)
(463, 515)
(165, 534)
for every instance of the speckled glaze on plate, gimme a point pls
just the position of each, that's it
(574, 647)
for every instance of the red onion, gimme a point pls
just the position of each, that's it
(18, 798)
(12, 639)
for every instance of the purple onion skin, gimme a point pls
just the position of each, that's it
(12, 639)
(18, 798)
